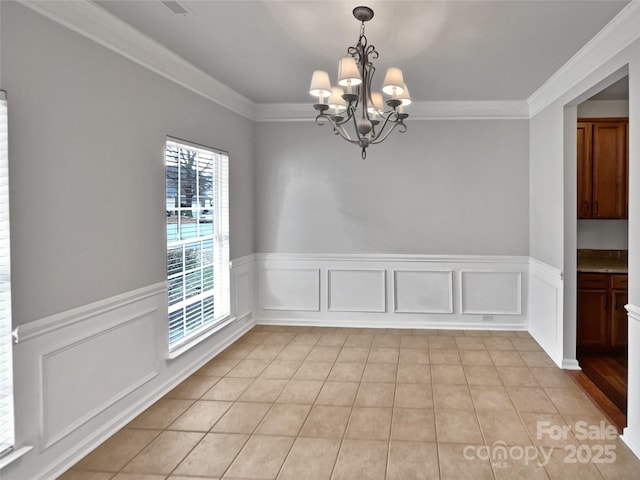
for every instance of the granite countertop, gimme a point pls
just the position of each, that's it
(602, 261)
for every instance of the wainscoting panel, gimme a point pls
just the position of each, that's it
(546, 314)
(82, 375)
(294, 289)
(393, 291)
(105, 367)
(357, 291)
(423, 291)
(631, 433)
(242, 286)
(491, 293)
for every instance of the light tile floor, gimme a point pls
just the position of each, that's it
(303, 403)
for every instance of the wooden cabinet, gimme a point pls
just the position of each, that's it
(619, 319)
(602, 318)
(602, 168)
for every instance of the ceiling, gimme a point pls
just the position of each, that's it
(448, 50)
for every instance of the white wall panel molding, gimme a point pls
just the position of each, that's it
(434, 110)
(357, 290)
(81, 379)
(354, 290)
(490, 292)
(165, 382)
(243, 282)
(546, 311)
(386, 258)
(294, 289)
(633, 311)
(91, 21)
(132, 363)
(244, 260)
(242, 294)
(62, 320)
(631, 434)
(423, 291)
(619, 33)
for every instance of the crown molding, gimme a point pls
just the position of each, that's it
(91, 21)
(619, 33)
(436, 110)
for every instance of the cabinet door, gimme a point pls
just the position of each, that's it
(592, 320)
(619, 320)
(584, 169)
(609, 170)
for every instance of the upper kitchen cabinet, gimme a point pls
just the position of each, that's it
(602, 168)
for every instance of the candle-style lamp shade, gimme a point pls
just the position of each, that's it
(320, 85)
(348, 73)
(377, 105)
(405, 97)
(336, 102)
(393, 82)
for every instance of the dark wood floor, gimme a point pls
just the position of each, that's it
(604, 379)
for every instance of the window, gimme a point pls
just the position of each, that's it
(197, 213)
(6, 369)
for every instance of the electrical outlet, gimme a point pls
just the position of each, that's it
(487, 318)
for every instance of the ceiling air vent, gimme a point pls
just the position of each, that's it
(175, 7)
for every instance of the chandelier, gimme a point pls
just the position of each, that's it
(359, 105)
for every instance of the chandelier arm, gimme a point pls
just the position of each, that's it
(391, 117)
(338, 129)
(403, 129)
(350, 113)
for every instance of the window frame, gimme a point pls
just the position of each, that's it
(7, 409)
(220, 237)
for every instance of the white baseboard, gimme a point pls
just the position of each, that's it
(632, 440)
(384, 323)
(570, 364)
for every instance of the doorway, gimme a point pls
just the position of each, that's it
(602, 247)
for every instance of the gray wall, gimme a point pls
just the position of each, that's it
(444, 187)
(87, 130)
(546, 177)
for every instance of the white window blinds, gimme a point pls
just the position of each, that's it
(6, 369)
(197, 220)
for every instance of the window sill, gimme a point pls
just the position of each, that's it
(13, 456)
(192, 342)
